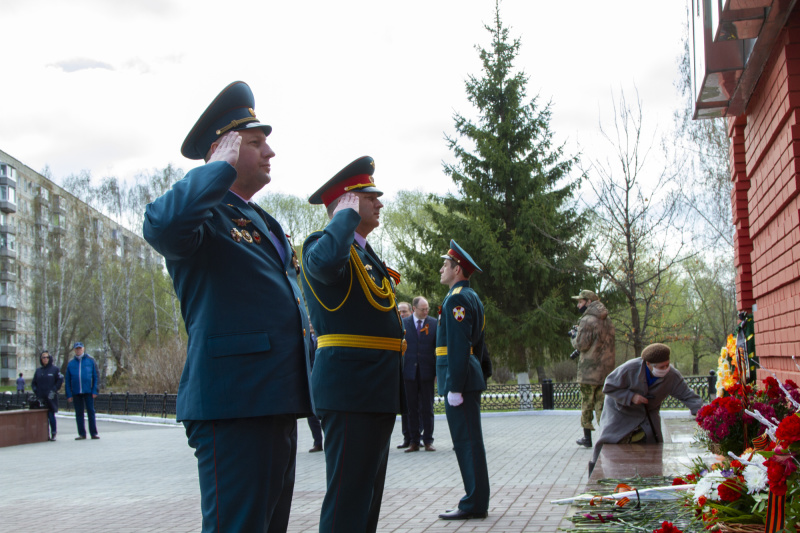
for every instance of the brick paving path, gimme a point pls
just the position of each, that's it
(143, 478)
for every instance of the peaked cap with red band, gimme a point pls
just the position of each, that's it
(355, 177)
(461, 258)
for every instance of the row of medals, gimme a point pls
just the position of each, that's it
(239, 234)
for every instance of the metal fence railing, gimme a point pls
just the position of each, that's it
(526, 397)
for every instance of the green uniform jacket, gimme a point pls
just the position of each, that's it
(356, 379)
(461, 323)
(249, 340)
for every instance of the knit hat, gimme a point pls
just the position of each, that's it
(656, 353)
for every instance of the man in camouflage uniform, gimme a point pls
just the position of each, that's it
(594, 339)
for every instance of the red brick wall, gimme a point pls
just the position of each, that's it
(765, 169)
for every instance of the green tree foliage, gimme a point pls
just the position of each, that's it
(398, 220)
(296, 216)
(514, 214)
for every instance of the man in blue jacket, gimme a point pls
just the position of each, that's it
(419, 371)
(81, 379)
(246, 378)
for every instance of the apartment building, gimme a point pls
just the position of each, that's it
(39, 223)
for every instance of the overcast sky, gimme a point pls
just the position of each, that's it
(113, 87)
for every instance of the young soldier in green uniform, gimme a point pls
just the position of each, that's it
(459, 343)
(357, 380)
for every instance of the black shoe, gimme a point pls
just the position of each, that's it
(586, 440)
(405, 444)
(95, 436)
(315, 449)
(82, 437)
(458, 514)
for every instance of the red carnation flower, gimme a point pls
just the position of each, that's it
(779, 468)
(701, 501)
(729, 491)
(678, 481)
(789, 430)
(667, 527)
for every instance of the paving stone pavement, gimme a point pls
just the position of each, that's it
(143, 478)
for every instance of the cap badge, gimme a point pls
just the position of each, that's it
(252, 112)
(459, 313)
(237, 236)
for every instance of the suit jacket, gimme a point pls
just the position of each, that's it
(249, 340)
(420, 349)
(343, 306)
(460, 333)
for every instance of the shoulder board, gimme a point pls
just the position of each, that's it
(457, 290)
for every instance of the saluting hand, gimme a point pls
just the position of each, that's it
(226, 148)
(348, 200)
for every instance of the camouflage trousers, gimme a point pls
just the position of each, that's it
(591, 400)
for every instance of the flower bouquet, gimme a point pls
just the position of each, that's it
(723, 424)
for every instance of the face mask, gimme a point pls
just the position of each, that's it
(660, 373)
(582, 309)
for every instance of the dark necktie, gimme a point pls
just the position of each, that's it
(272, 237)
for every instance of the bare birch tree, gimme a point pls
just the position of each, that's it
(639, 229)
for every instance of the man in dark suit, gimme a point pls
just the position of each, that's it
(419, 371)
(246, 378)
(459, 341)
(357, 380)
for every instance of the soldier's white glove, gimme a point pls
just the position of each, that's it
(455, 399)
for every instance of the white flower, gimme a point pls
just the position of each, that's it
(755, 475)
(707, 486)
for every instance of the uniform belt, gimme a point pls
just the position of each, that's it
(362, 341)
(441, 351)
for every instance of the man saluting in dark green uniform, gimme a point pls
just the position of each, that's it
(356, 381)
(459, 343)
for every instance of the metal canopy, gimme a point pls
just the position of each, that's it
(731, 43)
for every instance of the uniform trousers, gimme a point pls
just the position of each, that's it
(419, 397)
(316, 430)
(465, 430)
(246, 468)
(592, 400)
(356, 455)
(80, 401)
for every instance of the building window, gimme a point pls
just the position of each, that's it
(8, 194)
(8, 241)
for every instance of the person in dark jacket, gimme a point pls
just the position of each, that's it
(419, 371)
(20, 383)
(46, 383)
(81, 389)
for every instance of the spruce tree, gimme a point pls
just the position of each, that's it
(514, 213)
